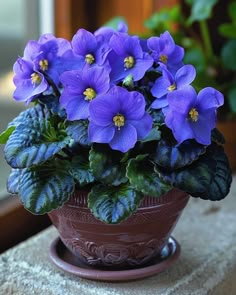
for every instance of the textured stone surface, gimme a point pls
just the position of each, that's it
(207, 265)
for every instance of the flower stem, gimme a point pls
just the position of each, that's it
(206, 38)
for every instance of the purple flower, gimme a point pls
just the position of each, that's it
(43, 60)
(80, 88)
(165, 51)
(119, 119)
(193, 115)
(93, 49)
(29, 83)
(168, 83)
(107, 32)
(127, 57)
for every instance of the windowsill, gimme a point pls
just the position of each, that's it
(207, 265)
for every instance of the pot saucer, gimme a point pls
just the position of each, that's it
(66, 261)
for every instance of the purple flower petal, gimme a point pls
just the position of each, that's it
(76, 107)
(202, 128)
(100, 134)
(180, 101)
(160, 88)
(210, 98)
(143, 126)
(84, 42)
(124, 138)
(185, 76)
(102, 110)
(160, 103)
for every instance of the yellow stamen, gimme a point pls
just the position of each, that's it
(35, 79)
(164, 58)
(171, 87)
(119, 121)
(89, 93)
(129, 62)
(89, 58)
(43, 64)
(193, 114)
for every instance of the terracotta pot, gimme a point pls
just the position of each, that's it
(228, 128)
(132, 243)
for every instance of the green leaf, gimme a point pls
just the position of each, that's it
(78, 130)
(80, 170)
(34, 142)
(217, 136)
(201, 10)
(232, 99)
(177, 156)
(6, 134)
(228, 55)
(13, 181)
(195, 57)
(45, 188)
(232, 10)
(228, 30)
(153, 135)
(113, 204)
(52, 103)
(142, 176)
(105, 165)
(208, 178)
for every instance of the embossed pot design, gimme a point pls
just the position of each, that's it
(132, 243)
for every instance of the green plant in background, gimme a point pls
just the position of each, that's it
(215, 66)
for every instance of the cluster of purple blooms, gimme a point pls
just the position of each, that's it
(88, 74)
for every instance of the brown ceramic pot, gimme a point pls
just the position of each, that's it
(132, 243)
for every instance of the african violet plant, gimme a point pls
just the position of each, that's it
(116, 116)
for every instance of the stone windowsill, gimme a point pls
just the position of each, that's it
(207, 265)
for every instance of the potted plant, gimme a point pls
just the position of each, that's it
(206, 29)
(113, 142)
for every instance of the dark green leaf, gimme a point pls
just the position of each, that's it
(232, 10)
(45, 188)
(113, 204)
(195, 57)
(228, 55)
(80, 170)
(232, 99)
(78, 130)
(208, 178)
(6, 134)
(153, 135)
(201, 10)
(142, 176)
(177, 156)
(13, 181)
(33, 142)
(217, 136)
(105, 165)
(52, 103)
(228, 30)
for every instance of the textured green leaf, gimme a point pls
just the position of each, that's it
(6, 134)
(228, 55)
(177, 156)
(113, 204)
(13, 181)
(105, 165)
(80, 170)
(45, 188)
(142, 176)
(78, 130)
(208, 178)
(36, 112)
(33, 142)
